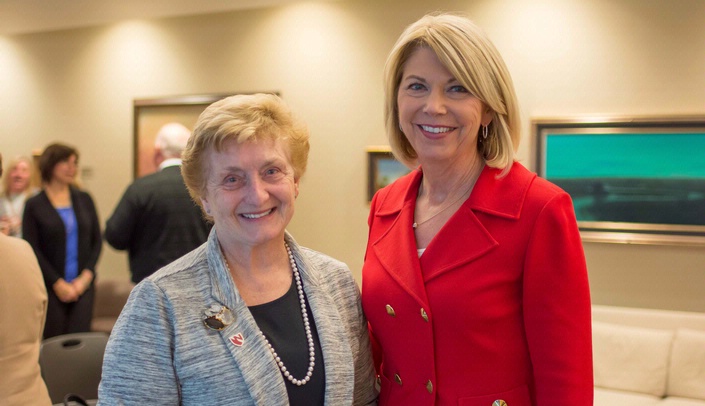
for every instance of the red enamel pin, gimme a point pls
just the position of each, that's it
(237, 340)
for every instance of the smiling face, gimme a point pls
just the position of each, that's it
(438, 116)
(19, 177)
(65, 171)
(250, 192)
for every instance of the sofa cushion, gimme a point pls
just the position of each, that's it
(631, 359)
(686, 377)
(609, 397)
(110, 297)
(675, 401)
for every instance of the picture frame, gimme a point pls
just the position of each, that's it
(150, 114)
(635, 180)
(383, 169)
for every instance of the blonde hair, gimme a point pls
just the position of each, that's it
(244, 118)
(13, 163)
(469, 55)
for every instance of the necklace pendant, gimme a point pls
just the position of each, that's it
(414, 225)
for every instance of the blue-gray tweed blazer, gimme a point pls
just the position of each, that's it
(161, 353)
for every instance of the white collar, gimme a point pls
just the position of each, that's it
(170, 162)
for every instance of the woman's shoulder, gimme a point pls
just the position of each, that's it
(390, 198)
(536, 187)
(81, 193)
(184, 271)
(16, 246)
(38, 198)
(323, 261)
(328, 269)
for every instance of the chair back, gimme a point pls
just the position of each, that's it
(72, 363)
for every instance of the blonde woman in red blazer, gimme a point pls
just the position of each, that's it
(474, 283)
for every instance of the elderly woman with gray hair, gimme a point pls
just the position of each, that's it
(250, 317)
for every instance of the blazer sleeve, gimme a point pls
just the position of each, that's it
(557, 312)
(364, 392)
(120, 227)
(138, 367)
(376, 349)
(31, 232)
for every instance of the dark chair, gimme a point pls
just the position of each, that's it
(72, 363)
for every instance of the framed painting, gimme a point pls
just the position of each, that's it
(383, 169)
(149, 115)
(632, 180)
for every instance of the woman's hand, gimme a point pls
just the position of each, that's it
(5, 225)
(65, 291)
(83, 281)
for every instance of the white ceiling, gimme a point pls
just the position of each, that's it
(28, 16)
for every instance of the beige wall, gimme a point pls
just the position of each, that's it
(568, 57)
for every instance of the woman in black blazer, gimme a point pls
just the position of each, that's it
(61, 224)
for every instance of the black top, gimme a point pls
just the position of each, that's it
(282, 324)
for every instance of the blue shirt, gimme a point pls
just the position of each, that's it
(68, 216)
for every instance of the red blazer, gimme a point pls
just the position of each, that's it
(498, 306)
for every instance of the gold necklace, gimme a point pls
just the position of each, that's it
(418, 223)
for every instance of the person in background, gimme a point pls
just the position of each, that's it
(61, 224)
(250, 317)
(15, 192)
(23, 306)
(474, 281)
(156, 221)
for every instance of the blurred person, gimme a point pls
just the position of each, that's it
(250, 317)
(16, 189)
(474, 281)
(23, 306)
(156, 220)
(61, 224)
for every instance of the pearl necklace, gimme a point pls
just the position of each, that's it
(307, 327)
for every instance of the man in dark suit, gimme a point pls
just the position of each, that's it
(156, 221)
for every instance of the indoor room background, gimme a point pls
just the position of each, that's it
(568, 58)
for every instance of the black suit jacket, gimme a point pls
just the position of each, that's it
(43, 228)
(156, 222)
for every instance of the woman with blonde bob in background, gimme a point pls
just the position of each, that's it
(16, 189)
(250, 317)
(474, 282)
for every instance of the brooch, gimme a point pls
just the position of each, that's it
(217, 317)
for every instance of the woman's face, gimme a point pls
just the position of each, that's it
(439, 117)
(19, 177)
(65, 171)
(250, 192)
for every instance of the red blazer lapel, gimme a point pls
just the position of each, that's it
(465, 238)
(394, 245)
(462, 240)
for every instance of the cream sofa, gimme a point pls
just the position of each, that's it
(645, 357)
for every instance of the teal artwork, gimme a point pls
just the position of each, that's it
(629, 155)
(639, 177)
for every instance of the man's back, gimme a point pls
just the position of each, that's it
(157, 222)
